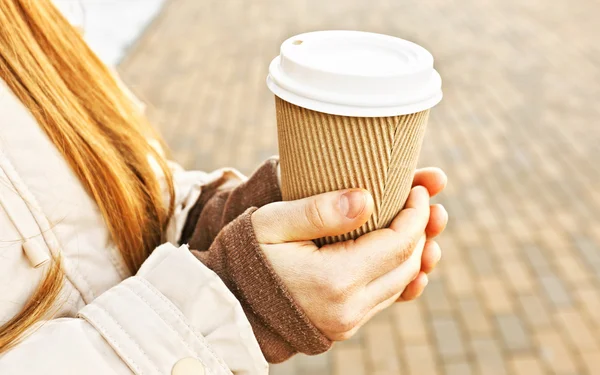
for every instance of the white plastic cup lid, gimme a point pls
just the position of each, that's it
(354, 73)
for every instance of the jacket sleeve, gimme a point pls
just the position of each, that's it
(206, 203)
(219, 206)
(192, 186)
(145, 325)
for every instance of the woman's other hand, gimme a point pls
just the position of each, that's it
(342, 285)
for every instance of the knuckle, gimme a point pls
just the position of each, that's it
(410, 213)
(314, 216)
(318, 278)
(345, 320)
(339, 289)
(406, 248)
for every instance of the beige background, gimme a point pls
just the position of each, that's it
(517, 132)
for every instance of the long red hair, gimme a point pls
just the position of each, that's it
(95, 126)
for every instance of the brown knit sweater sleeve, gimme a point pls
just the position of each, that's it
(216, 207)
(225, 242)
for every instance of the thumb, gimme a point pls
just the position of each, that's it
(322, 215)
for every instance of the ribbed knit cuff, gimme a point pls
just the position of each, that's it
(217, 207)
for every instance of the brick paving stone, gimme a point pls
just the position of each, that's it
(518, 275)
(589, 298)
(286, 368)
(590, 252)
(383, 316)
(512, 332)
(495, 295)
(448, 337)
(381, 349)
(536, 312)
(453, 252)
(348, 361)
(593, 232)
(556, 291)
(458, 278)
(474, 319)
(538, 260)
(317, 365)
(436, 298)
(526, 365)
(420, 360)
(409, 322)
(555, 353)
(488, 357)
(436, 276)
(468, 234)
(550, 238)
(483, 261)
(458, 368)
(576, 327)
(503, 246)
(567, 221)
(517, 225)
(522, 239)
(591, 361)
(571, 268)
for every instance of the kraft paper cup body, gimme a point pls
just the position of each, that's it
(320, 152)
(328, 141)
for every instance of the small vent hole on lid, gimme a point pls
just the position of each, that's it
(297, 42)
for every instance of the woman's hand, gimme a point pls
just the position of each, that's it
(341, 286)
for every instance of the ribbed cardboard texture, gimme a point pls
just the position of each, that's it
(321, 152)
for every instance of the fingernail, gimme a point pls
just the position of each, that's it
(352, 203)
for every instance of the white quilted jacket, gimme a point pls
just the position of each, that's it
(174, 316)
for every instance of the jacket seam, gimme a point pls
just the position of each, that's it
(135, 343)
(113, 342)
(159, 316)
(179, 315)
(110, 340)
(176, 331)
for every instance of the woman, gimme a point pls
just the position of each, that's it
(93, 275)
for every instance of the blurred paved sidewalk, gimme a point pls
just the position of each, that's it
(518, 134)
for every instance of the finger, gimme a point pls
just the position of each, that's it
(322, 215)
(433, 179)
(395, 281)
(381, 251)
(438, 219)
(414, 289)
(415, 214)
(432, 253)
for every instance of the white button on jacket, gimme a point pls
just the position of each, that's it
(174, 316)
(188, 366)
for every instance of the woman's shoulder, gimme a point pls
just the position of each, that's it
(42, 201)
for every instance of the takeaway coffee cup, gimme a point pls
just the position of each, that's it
(352, 109)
